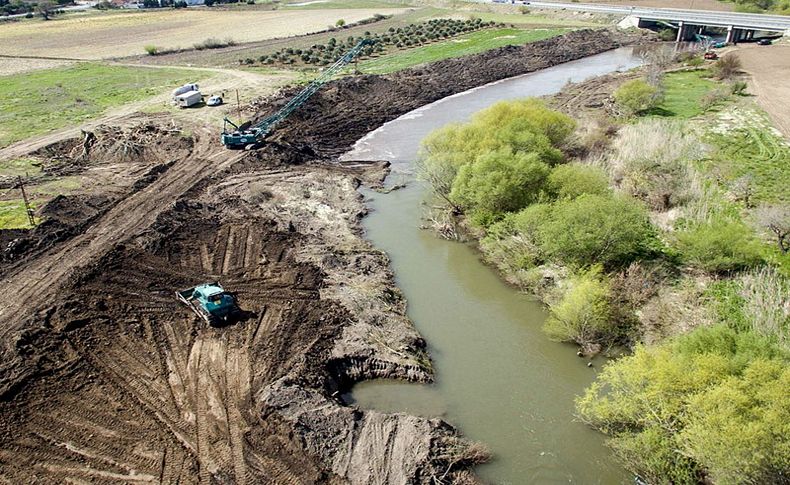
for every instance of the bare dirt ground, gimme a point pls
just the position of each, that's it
(13, 65)
(769, 68)
(106, 378)
(127, 33)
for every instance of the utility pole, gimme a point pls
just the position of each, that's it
(238, 104)
(28, 209)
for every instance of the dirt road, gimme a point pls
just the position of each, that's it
(217, 80)
(769, 67)
(105, 377)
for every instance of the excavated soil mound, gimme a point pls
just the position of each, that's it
(345, 110)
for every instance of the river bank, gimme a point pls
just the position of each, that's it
(498, 377)
(655, 227)
(99, 359)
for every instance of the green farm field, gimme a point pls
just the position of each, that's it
(463, 45)
(41, 101)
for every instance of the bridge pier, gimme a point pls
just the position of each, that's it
(731, 33)
(685, 32)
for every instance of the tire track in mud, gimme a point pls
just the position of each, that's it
(37, 283)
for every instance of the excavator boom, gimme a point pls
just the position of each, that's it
(239, 138)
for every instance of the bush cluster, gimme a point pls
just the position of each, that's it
(499, 162)
(506, 171)
(400, 37)
(637, 96)
(592, 229)
(582, 313)
(212, 43)
(727, 67)
(710, 406)
(719, 245)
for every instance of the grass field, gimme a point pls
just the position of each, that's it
(13, 215)
(460, 46)
(19, 166)
(41, 101)
(10, 66)
(756, 152)
(119, 34)
(683, 92)
(327, 4)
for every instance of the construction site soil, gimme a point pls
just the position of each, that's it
(106, 378)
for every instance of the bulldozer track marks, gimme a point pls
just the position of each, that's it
(145, 392)
(129, 217)
(183, 389)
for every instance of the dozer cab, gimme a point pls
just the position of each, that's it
(211, 302)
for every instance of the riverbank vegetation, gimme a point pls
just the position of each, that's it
(661, 225)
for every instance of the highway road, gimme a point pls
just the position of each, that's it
(779, 23)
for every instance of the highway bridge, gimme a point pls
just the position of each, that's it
(739, 26)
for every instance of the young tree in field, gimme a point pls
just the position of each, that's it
(340, 23)
(776, 218)
(727, 67)
(637, 96)
(46, 8)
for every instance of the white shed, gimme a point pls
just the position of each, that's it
(190, 98)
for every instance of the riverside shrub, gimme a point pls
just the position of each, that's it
(637, 96)
(514, 129)
(499, 182)
(582, 313)
(710, 403)
(590, 229)
(719, 245)
(572, 180)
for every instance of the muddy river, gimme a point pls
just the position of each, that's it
(498, 378)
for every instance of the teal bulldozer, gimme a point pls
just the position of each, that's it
(211, 303)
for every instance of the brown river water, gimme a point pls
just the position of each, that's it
(498, 378)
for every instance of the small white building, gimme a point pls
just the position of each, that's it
(190, 98)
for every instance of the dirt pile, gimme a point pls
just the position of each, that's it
(106, 377)
(112, 162)
(345, 110)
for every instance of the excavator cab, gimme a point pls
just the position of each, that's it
(240, 136)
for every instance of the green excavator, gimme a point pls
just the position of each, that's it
(250, 136)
